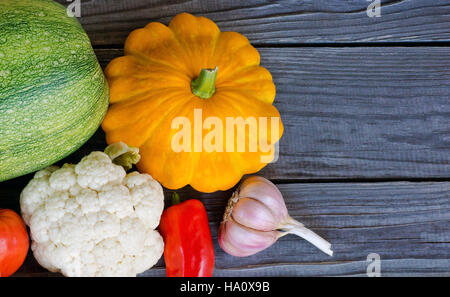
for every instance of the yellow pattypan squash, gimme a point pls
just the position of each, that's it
(175, 91)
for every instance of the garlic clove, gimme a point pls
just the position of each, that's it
(240, 241)
(266, 192)
(254, 214)
(225, 244)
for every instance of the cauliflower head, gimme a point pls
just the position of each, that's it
(92, 219)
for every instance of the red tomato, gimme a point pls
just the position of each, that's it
(14, 242)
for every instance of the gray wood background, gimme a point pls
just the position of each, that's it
(364, 160)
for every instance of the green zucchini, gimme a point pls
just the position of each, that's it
(53, 94)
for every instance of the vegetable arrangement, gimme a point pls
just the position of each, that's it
(53, 94)
(94, 219)
(188, 247)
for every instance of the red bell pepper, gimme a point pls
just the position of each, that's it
(188, 246)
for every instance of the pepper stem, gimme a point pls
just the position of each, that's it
(204, 86)
(175, 198)
(123, 155)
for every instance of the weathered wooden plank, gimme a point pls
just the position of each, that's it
(370, 112)
(362, 113)
(272, 22)
(407, 224)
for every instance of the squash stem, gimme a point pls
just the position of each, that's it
(204, 86)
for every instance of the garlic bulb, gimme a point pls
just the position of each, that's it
(256, 216)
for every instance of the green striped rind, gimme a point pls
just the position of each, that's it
(53, 94)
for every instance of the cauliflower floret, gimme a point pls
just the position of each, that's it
(64, 178)
(37, 190)
(96, 170)
(139, 185)
(92, 219)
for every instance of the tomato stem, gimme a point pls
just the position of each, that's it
(204, 86)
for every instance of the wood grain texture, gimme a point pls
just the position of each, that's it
(370, 112)
(108, 22)
(352, 113)
(407, 224)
